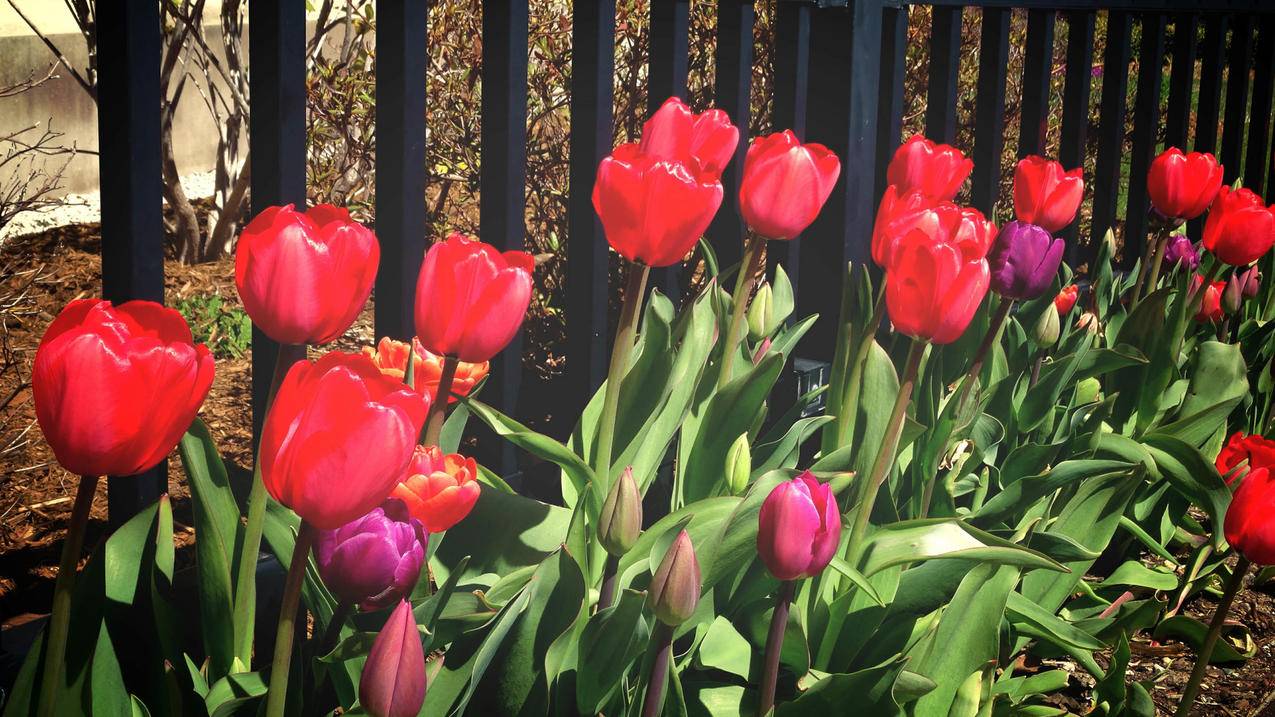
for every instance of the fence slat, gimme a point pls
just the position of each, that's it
(400, 161)
(989, 124)
(503, 178)
(734, 78)
(1146, 120)
(666, 77)
(1115, 84)
(894, 55)
(945, 56)
(1181, 81)
(1038, 70)
(129, 162)
(792, 79)
(1260, 114)
(844, 76)
(592, 64)
(1208, 106)
(1237, 80)
(1077, 84)
(276, 40)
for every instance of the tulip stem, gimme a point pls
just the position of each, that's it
(848, 412)
(1231, 588)
(277, 696)
(60, 620)
(625, 332)
(775, 644)
(606, 596)
(748, 267)
(438, 409)
(245, 601)
(1151, 272)
(333, 631)
(662, 642)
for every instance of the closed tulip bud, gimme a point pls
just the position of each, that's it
(675, 586)
(785, 184)
(1240, 227)
(427, 367)
(620, 523)
(1024, 260)
(439, 489)
(315, 456)
(305, 276)
(761, 313)
(762, 349)
(116, 387)
(470, 298)
(375, 560)
(1248, 525)
(1233, 294)
(393, 680)
(1045, 194)
(799, 528)
(935, 170)
(1088, 321)
(1066, 299)
(1048, 327)
(1088, 390)
(1250, 282)
(1181, 186)
(1181, 252)
(739, 465)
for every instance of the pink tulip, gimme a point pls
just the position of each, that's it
(800, 527)
(785, 184)
(393, 680)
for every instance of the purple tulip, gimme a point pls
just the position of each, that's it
(1024, 260)
(799, 528)
(374, 560)
(1180, 252)
(393, 680)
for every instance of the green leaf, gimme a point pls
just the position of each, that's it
(1046, 625)
(872, 691)
(503, 532)
(942, 538)
(857, 578)
(1135, 574)
(1040, 401)
(612, 640)
(784, 452)
(723, 648)
(454, 428)
(106, 683)
(1020, 495)
(230, 693)
(1234, 646)
(1194, 476)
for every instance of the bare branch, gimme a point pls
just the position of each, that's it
(89, 87)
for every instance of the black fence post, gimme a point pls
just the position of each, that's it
(1038, 70)
(1177, 118)
(132, 193)
(1077, 84)
(276, 43)
(989, 126)
(734, 80)
(1146, 122)
(1260, 115)
(400, 161)
(1208, 106)
(503, 178)
(894, 54)
(592, 67)
(792, 78)
(1115, 84)
(945, 65)
(1233, 124)
(666, 77)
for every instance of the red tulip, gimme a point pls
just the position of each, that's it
(1182, 186)
(1253, 450)
(1248, 525)
(393, 679)
(675, 132)
(304, 277)
(932, 288)
(1211, 305)
(1045, 194)
(1066, 299)
(799, 527)
(935, 170)
(338, 437)
(965, 227)
(439, 489)
(1240, 227)
(470, 298)
(785, 184)
(653, 210)
(427, 368)
(117, 386)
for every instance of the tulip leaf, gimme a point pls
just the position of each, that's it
(1033, 620)
(1134, 574)
(723, 648)
(1236, 644)
(1017, 497)
(503, 532)
(941, 538)
(702, 521)
(1040, 401)
(454, 428)
(857, 578)
(735, 546)
(612, 640)
(1102, 361)
(1192, 475)
(106, 682)
(872, 691)
(232, 692)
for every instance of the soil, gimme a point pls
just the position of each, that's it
(40, 273)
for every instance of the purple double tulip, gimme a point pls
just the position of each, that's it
(375, 560)
(1024, 260)
(393, 679)
(1181, 252)
(799, 528)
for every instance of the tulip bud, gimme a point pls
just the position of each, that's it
(1089, 322)
(739, 465)
(1047, 327)
(374, 560)
(1180, 251)
(675, 586)
(1088, 390)
(1233, 295)
(393, 680)
(620, 523)
(761, 313)
(760, 353)
(1250, 282)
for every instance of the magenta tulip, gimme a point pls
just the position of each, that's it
(393, 680)
(800, 527)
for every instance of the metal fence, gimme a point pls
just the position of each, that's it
(839, 79)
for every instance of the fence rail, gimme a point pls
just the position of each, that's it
(839, 79)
